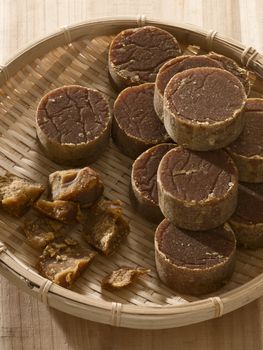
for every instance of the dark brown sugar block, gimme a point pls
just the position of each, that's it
(105, 227)
(197, 190)
(73, 124)
(17, 195)
(143, 191)
(40, 231)
(63, 260)
(172, 67)
(247, 221)
(231, 66)
(203, 108)
(247, 149)
(123, 277)
(136, 126)
(181, 63)
(77, 185)
(63, 211)
(194, 263)
(136, 54)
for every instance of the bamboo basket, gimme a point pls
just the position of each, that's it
(78, 54)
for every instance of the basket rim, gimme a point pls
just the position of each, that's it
(31, 282)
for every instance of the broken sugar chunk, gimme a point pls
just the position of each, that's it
(60, 210)
(122, 277)
(63, 260)
(104, 227)
(77, 185)
(41, 231)
(17, 194)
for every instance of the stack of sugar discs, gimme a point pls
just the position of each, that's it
(193, 183)
(193, 133)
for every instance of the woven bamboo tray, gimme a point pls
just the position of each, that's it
(78, 54)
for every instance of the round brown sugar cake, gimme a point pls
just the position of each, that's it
(194, 263)
(136, 127)
(197, 190)
(247, 150)
(172, 67)
(247, 221)
(136, 54)
(231, 66)
(143, 189)
(73, 124)
(203, 108)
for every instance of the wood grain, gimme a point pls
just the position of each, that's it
(25, 323)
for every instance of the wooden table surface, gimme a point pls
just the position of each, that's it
(27, 324)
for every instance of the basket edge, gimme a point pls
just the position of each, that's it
(177, 312)
(209, 39)
(125, 315)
